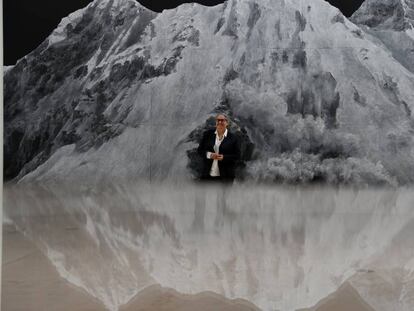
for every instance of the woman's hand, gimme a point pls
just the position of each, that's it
(216, 156)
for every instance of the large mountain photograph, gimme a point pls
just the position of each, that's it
(120, 91)
(242, 155)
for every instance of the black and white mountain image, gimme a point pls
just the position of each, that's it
(119, 91)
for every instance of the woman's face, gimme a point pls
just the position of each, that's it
(221, 123)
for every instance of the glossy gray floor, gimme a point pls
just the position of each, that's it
(274, 247)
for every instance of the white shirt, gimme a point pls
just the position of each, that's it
(214, 171)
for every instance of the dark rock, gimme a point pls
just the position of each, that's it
(119, 20)
(194, 38)
(407, 108)
(220, 24)
(301, 20)
(230, 75)
(285, 57)
(357, 33)
(254, 16)
(169, 64)
(139, 27)
(81, 72)
(277, 27)
(339, 18)
(359, 99)
(107, 41)
(189, 34)
(232, 23)
(299, 59)
(390, 89)
(274, 56)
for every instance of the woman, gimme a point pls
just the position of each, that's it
(220, 151)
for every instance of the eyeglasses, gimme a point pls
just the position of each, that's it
(221, 120)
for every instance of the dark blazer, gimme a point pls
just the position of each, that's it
(229, 148)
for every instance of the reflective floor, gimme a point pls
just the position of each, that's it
(153, 246)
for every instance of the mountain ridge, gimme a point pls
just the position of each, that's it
(386, 14)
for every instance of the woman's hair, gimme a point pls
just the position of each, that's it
(224, 115)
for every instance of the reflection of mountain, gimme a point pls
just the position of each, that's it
(27, 274)
(344, 299)
(120, 91)
(281, 249)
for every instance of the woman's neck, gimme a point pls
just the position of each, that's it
(220, 133)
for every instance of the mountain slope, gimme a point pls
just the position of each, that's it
(118, 91)
(392, 22)
(386, 14)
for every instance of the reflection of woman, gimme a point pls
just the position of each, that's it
(220, 151)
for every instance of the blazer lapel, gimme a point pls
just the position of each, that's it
(212, 141)
(223, 142)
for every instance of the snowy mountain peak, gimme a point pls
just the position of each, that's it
(109, 11)
(117, 4)
(386, 14)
